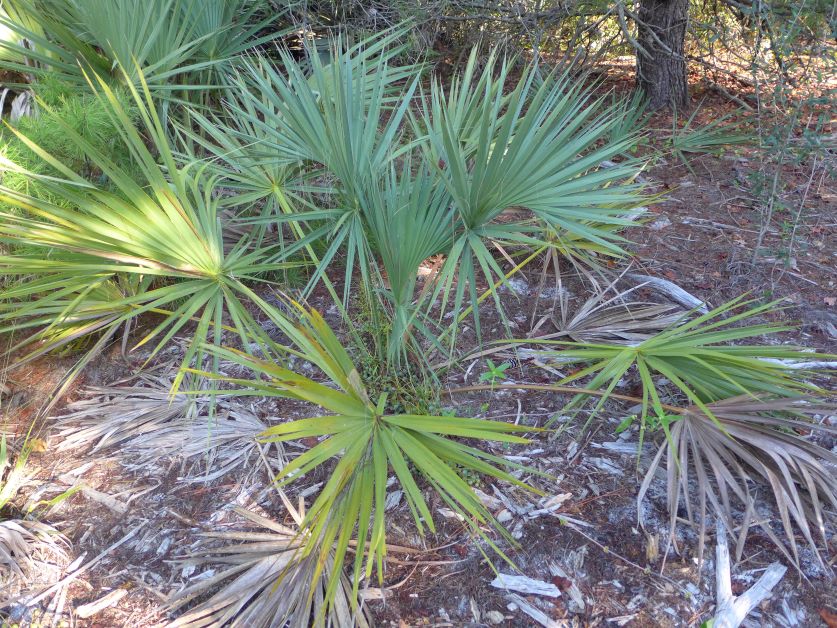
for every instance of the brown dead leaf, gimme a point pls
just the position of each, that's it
(828, 617)
(38, 445)
(562, 583)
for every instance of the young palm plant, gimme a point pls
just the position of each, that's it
(747, 426)
(368, 443)
(331, 113)
(538, 148)
(484, 153)
(177, 45)
(161, 235)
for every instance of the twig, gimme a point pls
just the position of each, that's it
(570, 525)
(726, 93)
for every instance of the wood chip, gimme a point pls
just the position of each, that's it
(111, 599)
(522, 584)
(538, 615)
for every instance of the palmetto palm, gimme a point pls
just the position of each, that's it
(162, 235)
(331, 114)
(697, 356)
(535, 148)
(477, 153)
(368, 444)
(175, 44)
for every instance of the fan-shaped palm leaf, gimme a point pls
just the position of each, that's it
(266, 582)
(162, 232)
(750, 439)
(697, 356)
(537, 147)
(367, 443)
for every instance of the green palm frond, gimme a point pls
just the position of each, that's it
(698, 357)
(332, 114)
(710, 138)
(368, 443)
(183, 45)
(162, 232)
(538, 148)
(408, 220)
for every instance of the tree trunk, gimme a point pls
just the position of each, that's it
(661, 68)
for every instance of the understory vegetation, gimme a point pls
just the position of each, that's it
(181, 178)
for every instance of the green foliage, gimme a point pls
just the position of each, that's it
(172, 45)
(537, 147)
(395, 202)
(347, 158)
(368, 443)
(711, 138)
(160, 234)
(494, 372)
(696, 356)
(61, 106)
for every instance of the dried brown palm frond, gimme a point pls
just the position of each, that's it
(108, 416)
(609, 317)
(148, 424)
(264, 582)
(753, 445)
(20, 540)
(211, 447)
(618, 323)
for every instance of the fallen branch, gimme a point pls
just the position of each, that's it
(731, 611)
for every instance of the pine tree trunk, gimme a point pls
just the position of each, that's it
(662, 74)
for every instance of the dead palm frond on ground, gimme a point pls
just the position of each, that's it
(609, 316)
(30, 550)
(752, 447)
(19, 541)
(144, 424)
(263, 579)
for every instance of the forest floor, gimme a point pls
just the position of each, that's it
(137, 521)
